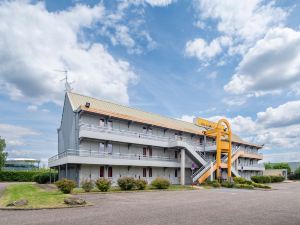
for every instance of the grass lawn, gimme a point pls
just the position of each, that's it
(37, 197)
(149, 188)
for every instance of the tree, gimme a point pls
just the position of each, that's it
(3, 154)
(295, 175)
(268, 166)
(282, 166)
(278, 166)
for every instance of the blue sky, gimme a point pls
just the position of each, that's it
(206, 58)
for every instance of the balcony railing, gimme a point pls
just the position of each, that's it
(128, 133)
(251, 166)
(107, 155)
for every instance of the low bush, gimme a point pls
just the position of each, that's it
(87, 185)
(103, 184)
(213, 183)
(227, 184)
(294, 176)
(276, 179)
(261, 185)
(261, 179)
(160, 183)
(66, 186)
(126, 183)
(140, 184)
(267, 179)
(241, 180)
(44, 177)
(243, 186)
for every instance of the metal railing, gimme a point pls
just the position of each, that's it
(260, 166)
(128, 133)
(97, 154)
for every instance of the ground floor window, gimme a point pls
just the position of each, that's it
(110, 172)
(144, 172)
(150, 172)
(101, 171)
(175, 172)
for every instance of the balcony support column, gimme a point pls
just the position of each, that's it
(182, 167)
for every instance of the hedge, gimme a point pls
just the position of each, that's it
(267, 179)
(22, 176)
(44, 177)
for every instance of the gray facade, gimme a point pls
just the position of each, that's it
(92, 144)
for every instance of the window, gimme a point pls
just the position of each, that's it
(110, 172)
(109, 124)
(101, 171)
(101, 147)
(109, 148)
(144, 172)
(150, 172)
(149, 130)
(101, 122)
(176, 155)
(144, 130)
(144, 151)
(175, 172)
(150, 151)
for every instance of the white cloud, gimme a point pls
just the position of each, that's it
(275, 127)
(284, 115)
(35, 42)
(271, 66)
(282, 157)
(32, 108)
(242, 22)
(159, 2)
(14, 135)
(187, 118)
(204, 51)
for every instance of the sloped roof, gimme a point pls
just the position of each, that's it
(124, 112)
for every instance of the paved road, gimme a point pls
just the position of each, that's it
(217, 206)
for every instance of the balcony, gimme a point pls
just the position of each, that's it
(104, 158)
(126, 136)
(251, 154)
(256, 167)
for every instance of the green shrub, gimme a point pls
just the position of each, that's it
(19, 176)
(267, 179)
(160, 183)
(243, 186)
(275, 179)
(66, 186)
(213, 183)
(261, 185)
(261, 179)
(140, 184)
(240, 180)
(87, 185)
(103, 184)
(126, 183)
(227, 184)
(44, 177)
(39, 176)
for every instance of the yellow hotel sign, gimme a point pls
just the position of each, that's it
(205, 123)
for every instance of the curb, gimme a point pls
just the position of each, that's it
(60, 207)
(133, 191)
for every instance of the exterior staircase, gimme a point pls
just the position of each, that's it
(204, 172)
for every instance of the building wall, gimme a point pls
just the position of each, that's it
(67, 131)
(93, 172)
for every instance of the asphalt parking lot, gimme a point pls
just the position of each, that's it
(214, 206)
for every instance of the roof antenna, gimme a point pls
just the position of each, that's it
(68, 87)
